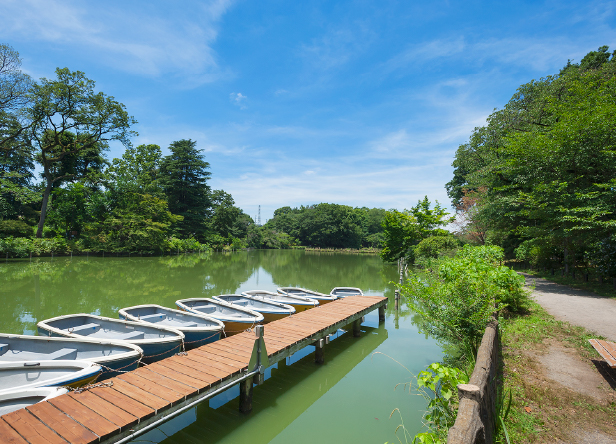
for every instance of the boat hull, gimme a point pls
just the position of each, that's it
(233, 328)
(115, 368)
(157, 351)
(81, 382)
(300, 307)
(194, 339)
(269, 317)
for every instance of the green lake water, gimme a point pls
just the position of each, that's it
(347, 399)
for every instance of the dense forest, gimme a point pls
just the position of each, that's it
(540, 178)
(59, 192)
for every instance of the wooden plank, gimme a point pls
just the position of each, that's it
(243, 352)
(221, 356)
(155, 402)
(180, 377)
(124, 402)
(30, 428)
(219, 362)
(156, 389)
(64, 426)
(86, 417)
(184, 369)
(196, 366)
(164, 381)
(241, 358)
(116, 415)
(8, 435)
(604, 350)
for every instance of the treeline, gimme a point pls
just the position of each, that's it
(324, 225)
(59, 192)
(540, 178)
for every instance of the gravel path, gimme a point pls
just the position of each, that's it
(578, 307)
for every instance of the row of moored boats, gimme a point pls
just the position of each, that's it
(77, 349)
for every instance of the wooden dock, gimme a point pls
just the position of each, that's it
(145, 398)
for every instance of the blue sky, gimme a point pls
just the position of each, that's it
(360, 103)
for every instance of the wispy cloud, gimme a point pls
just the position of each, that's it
(238, 99)
(141, 40)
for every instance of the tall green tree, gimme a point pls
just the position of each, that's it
(69, 120)
(184, 176)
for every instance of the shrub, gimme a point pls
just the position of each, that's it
(458, 297)
(15, 228)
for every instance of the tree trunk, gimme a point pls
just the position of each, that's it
(46, 193)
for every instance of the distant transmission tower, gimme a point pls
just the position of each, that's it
(259, 216)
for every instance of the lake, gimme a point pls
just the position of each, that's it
(347, 399)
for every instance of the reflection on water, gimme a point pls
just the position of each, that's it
(349, 398)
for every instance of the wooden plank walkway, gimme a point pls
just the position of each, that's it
(161, 390)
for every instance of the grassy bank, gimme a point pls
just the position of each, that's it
(543, 410)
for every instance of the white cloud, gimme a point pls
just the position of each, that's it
(138, 39)
(238, 99)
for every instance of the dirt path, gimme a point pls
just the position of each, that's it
(567, 377)
(578, 307)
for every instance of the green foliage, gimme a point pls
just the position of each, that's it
(23, 247)
(331, 225)
(69, 126)
(137, 171)
(227, 220)
(184, 176)
(403, 230)
(142, 227)
(543, 169)
(14, 228)
(458, 297)
(435, 246)
(439, 385)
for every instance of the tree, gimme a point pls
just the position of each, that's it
(14, 87)
(403, 230)
(136, 172)
(68, 120)
(16, 162)
(541, 172)
(331, 225)
(227, 220)
(184, 176)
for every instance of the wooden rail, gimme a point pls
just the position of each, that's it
(146, 397)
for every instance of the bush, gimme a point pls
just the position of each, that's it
(435, 246)
(15, 228)
(458, 297)
(23, 247)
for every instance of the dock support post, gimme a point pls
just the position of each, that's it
(397, 299)
(259, 378)
(319, 347)
(246, 395)
(356, 328)
(382, 313)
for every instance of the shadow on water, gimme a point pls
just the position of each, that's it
(286, 395)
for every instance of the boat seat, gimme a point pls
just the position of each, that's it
(19, 355)
(3, 348)
(188, 324)
(81, 328)
(64, 353)
(153, 316)
(131, 335)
